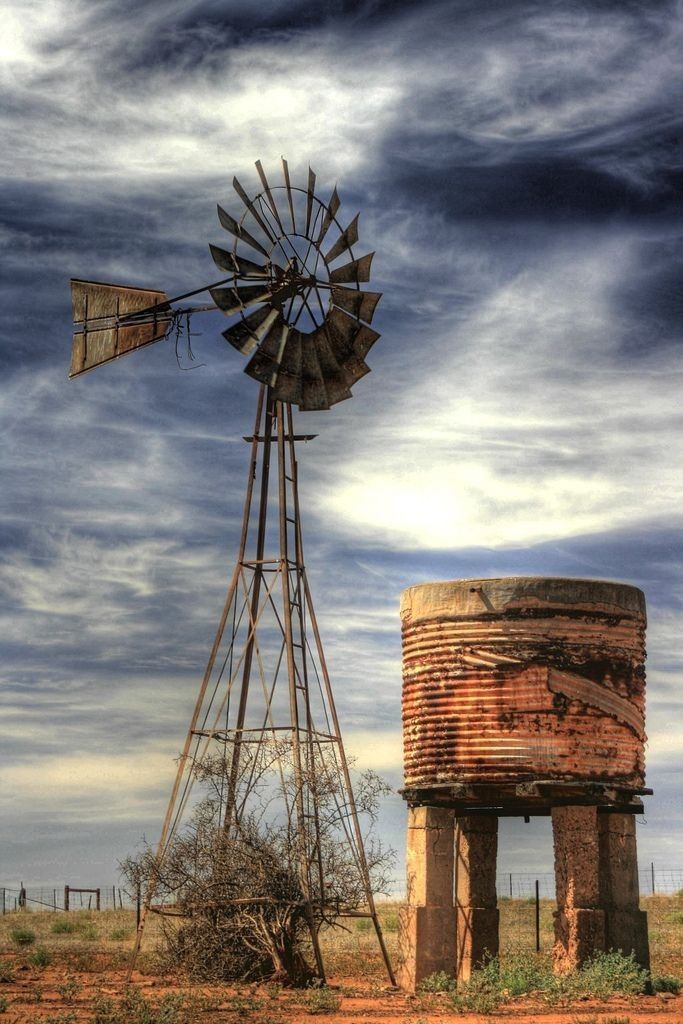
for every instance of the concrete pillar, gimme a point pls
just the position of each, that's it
(476, 903)
(579, 918)
(625, 922)
(427, 923)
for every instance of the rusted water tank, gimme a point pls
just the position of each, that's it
(523, 678)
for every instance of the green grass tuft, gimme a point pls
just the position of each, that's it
(40, 958)
(665, 983)
(437, 982)
(22, 936)
(64, 926)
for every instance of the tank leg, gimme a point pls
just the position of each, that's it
(579, 918)
(625, 922)
(476, 903)
(427, 922)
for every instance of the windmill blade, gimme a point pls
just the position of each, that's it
(229, 261)
(97, 307)
(355, 368)
(250, 205)
(336, 384)
(269, 196)
(287, 387)
(232, 300)
(265, 362)
(247, 333)
(290, 199)
(310, 193)
(358, 303)
(344, 242)
(356, 270)
(364, 341)
(231, 225)
(342, 330)
(330, 214)
(313, 392)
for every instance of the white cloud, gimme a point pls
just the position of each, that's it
(522, 422)
(94, 118)
(91, 787)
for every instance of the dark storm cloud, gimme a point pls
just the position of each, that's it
(551, 189)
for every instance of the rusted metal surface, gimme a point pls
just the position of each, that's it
(100, 335)
(521, 679)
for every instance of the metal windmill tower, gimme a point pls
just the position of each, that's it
(291, 286)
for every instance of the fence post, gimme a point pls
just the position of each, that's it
(138, 906)
(113, 896)
(97, 898)
(510, 885)
(3, 902)
(652, 873)
(54, 899)
(538, 920)
(66, 897)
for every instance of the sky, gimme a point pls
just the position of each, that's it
(518, 169)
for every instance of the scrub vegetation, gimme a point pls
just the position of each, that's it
(73, 972)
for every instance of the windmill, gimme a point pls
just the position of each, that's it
(291, 287)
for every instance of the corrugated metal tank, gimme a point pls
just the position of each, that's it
(523, 678)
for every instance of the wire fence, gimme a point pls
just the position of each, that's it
(65, 898)
(513, 885)
(652, 881)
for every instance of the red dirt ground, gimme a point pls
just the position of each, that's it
(34, 996)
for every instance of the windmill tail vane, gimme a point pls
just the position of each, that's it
(295, 300)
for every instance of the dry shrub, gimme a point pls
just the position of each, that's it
(238, 892)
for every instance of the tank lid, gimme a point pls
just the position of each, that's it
(454, 598)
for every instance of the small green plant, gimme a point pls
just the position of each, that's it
(437, 982)
(59, 1018)
(105, 1011)
(676, 917)
(243, 1005)
(40, 958)
(3, 1004)
(610, 973)
(35, 993)
(69, 988)
(496, 982)
(64, 926)
(6, 972)
(22, 936)
(664, 983)
(119, 934)
(88, 932)
(322, 1000)
(520, 973)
